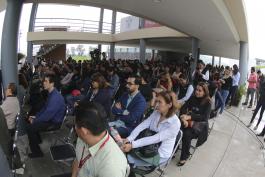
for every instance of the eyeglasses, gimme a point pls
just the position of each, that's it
(129, 83)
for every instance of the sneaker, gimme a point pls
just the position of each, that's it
(256, 127)
(250, 106)
(244, 103)
(19, 171)
(249, 125)
(260, 134)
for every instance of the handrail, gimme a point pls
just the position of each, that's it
(72, 19)
(72, 24)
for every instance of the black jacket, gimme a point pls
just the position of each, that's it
(200, 113)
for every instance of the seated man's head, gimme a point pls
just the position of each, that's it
(133, 83)
(11, 90)
(90, 121)
(183, 80)
(48, 82)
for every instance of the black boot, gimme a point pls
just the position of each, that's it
(262, 133)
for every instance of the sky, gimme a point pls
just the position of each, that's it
(255, 11)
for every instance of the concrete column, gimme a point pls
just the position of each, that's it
(141, 23)
(142, 50)
(153, 54)
(100, 24)
(220, 61)
(33, 14)
(142, 42)
(212, 60)
(113, 31)
(9, 42)
(195, 52)
(243, 62)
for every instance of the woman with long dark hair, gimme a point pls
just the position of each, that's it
(100, 92)
(194, 116)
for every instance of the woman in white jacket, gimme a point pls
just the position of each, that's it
(164, 122)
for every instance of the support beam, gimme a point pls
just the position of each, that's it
(142, 50)
(212, 60)
(142, 42)
(153, 54)
(243, 62)
(141, 23)
(113, 31)
(195, 52)
(220, 61)
(33, 14)
(10, 41)
(100, 24)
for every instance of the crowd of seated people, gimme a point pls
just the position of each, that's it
(177, 97)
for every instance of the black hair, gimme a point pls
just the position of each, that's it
(183, 76)
(91, 116)
(227, 67)
(253, 69)
(145, 76)
(110, 69)
(138, 79)
(13, 88)
(235, 69)
(51, 77)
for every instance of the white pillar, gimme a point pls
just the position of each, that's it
(243, 62)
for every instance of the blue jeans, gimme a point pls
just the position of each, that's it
(224, 94)
(251, 92)
(219, 102)
(232, 94)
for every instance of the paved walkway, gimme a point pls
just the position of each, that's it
(232, 150)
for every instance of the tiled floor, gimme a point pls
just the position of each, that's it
(232, 150)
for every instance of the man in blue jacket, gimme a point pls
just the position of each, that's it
(49, 117)
(130, 108)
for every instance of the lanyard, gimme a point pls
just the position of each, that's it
(83, 160)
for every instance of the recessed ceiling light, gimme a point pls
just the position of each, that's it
(157, 1)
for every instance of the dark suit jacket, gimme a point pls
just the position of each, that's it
(136, 110)
(103, 97)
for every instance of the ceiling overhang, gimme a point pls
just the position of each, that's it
(218, 24)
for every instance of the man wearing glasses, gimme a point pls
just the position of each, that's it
(129, 108)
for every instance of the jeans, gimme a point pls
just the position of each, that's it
(224, 94)
(261, 105)
(251, 92)
(32, 130)
(219, 101)
(232, 94)
(188, 135)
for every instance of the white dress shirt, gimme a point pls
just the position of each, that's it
(204, 76)
(188, 94)
(167, 131)
(236, 79)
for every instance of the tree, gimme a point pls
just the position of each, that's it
(73, 51)
(80, 50)
(68, 52)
